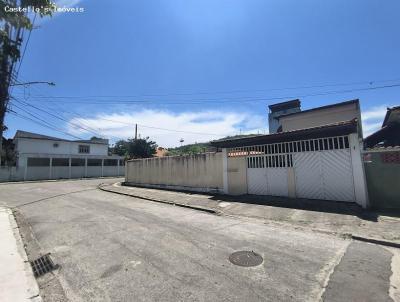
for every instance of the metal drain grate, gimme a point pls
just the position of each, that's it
(246, 258)
(43, 265)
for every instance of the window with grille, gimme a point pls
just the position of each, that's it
(84, 149)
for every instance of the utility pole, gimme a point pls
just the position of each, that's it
(135, 132)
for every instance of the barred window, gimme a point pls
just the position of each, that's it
(84, 149)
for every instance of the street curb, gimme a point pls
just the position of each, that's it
(376, 241)
(31, 287)
(207, 210)
(55, 180)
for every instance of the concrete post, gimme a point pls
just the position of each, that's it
(360, 183)
(51, 168)
(26, 168)
(85, 166)
(102, 167)
(225, 170)
(118, 167)
(69, 167)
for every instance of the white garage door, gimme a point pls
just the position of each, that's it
(267, 175)
(324, 175)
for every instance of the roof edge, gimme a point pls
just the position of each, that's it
(341, 128)
(354, 101)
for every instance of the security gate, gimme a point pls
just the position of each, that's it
(322, 168)
(267, 175)
(324, 175)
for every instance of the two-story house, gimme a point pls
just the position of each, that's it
(46, 157)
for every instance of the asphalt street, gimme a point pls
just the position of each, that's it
(119, 248)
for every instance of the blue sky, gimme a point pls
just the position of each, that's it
(208, 67)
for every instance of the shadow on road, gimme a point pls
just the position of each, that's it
(335, 207)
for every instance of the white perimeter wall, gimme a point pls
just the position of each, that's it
(199, 172)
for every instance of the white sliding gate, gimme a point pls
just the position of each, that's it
(267, 175)
(322, 168)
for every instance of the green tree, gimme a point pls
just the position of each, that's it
(135, 148)
(121, 148)
(13, 23)
(141, 148)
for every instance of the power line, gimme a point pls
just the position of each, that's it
(86, 128)
(42, 124)
(55, 116)
(372, 82)
(81, 117)
(130, 124)
(165, 129)
(181, 131)
(275, 98)
(226, 100)
(124, 123)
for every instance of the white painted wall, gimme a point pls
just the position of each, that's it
(26, 145)
(199, 172)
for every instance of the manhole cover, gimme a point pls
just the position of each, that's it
(43, 265)
(246, 258)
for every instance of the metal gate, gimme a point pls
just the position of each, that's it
(267, 175)
(322, 168)
(324, 175)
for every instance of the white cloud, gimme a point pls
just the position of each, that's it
(372, 119)
(195, 126)
(199, 126)
(374, 113)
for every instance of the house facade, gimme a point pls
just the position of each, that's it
(316, 154)
(281, 109)
(324, 115)
(45, 157)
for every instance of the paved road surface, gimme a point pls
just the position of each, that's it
(118, 248)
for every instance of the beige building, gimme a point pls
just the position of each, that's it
(335, 113)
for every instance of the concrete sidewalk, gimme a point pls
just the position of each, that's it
(338, 218)
(17, 282)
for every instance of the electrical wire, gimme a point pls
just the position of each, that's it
(57, 117)
(371, 82)
(225, 100)
(42, 124)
